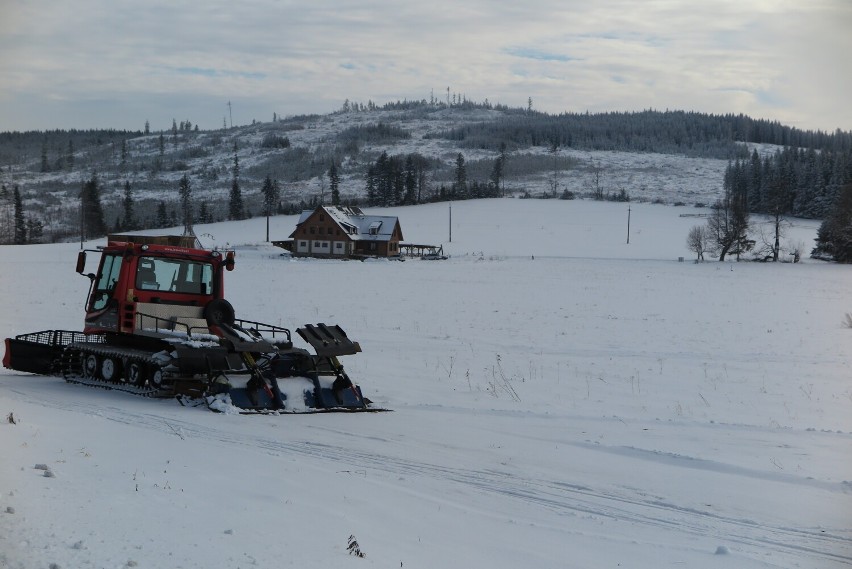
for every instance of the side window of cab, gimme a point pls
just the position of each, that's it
(107, 281)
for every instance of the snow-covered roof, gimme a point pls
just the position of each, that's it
(358, 225)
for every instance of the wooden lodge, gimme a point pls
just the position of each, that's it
(345, 232)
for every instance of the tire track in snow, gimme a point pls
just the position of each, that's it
(556, 496)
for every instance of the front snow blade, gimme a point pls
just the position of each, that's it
(288, 395)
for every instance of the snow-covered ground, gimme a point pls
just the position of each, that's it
(560, 399)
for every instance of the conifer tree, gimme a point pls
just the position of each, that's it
(35, 230)
(127, 203)
(384, 180)
(20, 221)
(334, 184)
(203, 214)
(410, 195)
(185, 189)
(235, 202)
(123, 164)
(729, 221)
(45, 165)
(372, 190)
(497, 173)
(93, 213)
(460, 185)
(162, 215)
(7, 218)
(834, 237)
(271, 192)
(777, 202)
(69, 158)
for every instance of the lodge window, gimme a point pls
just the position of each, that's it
(313, 230)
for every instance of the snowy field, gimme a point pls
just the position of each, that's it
(561, 399)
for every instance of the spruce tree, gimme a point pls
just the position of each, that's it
(497, 173)
(69, 159)
(834, 237)
(372, 185)
(384, 184)
(185, 189)
(777, 202)
(203, 215)
(729, 221)
(334, 183)
(271, 192)
(45, 165)
(235, 202)
(123, 164)
(162, 215)
(460, 185)
(410, 196)
(20, 221)
(128, 205)
(35, 230)
(93, 213)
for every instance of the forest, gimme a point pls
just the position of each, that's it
(798, 182)
(671, 132)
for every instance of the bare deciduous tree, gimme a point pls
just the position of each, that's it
(697, 241)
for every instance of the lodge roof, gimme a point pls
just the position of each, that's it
(357, 225)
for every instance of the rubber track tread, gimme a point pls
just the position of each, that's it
(73, 373)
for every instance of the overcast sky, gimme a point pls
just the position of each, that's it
(118, 63)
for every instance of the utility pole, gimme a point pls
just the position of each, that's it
(628, 225)
(451, 222)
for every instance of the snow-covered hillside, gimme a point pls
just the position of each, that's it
(560, 399)
(151, 166)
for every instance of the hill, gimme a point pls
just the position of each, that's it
(667, 157)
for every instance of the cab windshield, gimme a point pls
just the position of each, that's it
(174, 275)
